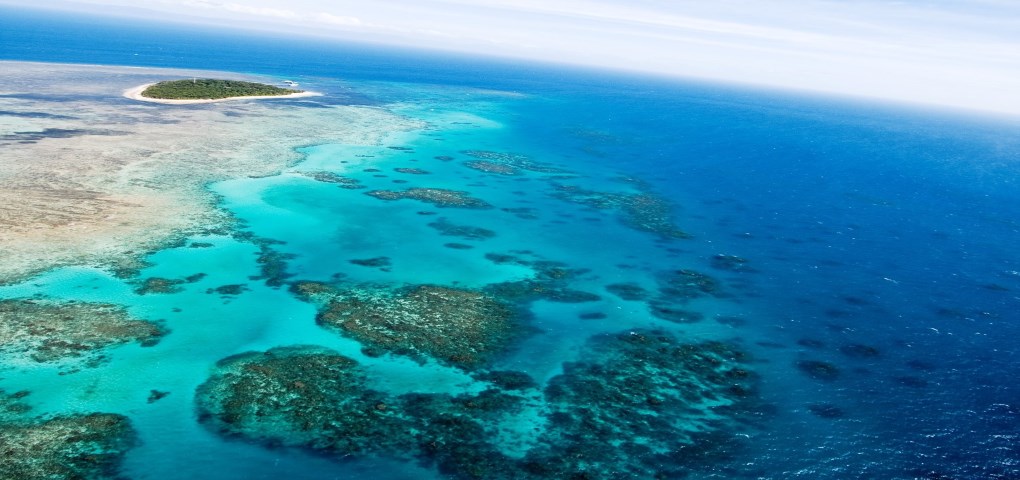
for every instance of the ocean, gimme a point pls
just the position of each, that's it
(579, 273)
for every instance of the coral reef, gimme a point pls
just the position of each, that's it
(159, 285)
(684, 284)
(50, 331)
(512, 162)
(339, 180)
(300, 396)
(732, 263)
(439, 197)
(826, 410)
(447, 228)
(524, 213)
(375, 262)
(411, 171)
(492, 167)
(85, 447)
(645, 211)
(857, 350)
(232, 289)
(639, 404)
(818, 370)
(272, 263)
(156, 395)
(627, 291)
(671, 313)
(315, 398)
(455, 326)
(642, 404)
(551, 282)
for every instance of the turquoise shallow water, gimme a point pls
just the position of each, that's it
(877, 240)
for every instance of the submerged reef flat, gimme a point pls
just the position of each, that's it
(49, 331)
(455, 326)
(508, 163)
(639, 404)
(550, 282)
(298, 396)
(643, 211)
(330, 177)
(439, 197)
(450, 229)
(685, 284)
(492, 167)
(86, 447)
(677, 288)
(318, 399)
(88, 178)
(643, 404)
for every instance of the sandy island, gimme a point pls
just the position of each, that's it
(136, 94)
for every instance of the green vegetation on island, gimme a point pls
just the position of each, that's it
(211, 89)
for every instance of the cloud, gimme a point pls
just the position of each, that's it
(246, 9)
(261, 11)
(340, 20)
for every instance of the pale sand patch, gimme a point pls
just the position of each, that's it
(136, 94)
(111, 180)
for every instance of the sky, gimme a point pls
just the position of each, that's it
(955, 53)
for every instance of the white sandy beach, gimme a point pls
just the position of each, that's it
(136, 94)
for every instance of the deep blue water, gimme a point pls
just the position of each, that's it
(881, 239)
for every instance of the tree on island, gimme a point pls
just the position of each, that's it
(211, 89)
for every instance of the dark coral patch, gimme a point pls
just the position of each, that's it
(88, 447)
(232, 289)
(730, 320)
(731, 263)
(818, 370)
(272, 263)
(645, 212)
(857, 350)
(156, 395)
(811, 343)
(296, 396)
(49, 331)
(492, 167)
(686, 284)
(439, 197)
(511, 160)
(447, 228)
(507, 379)
(826, 410)
(411, 171)
(641, 404)
(375, 262)
(455, 326)
(671, 313)
(330, 177)
(524, 291)
(627, 291)
(160, 285)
